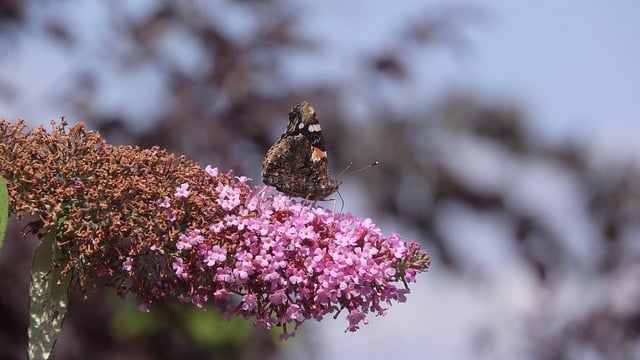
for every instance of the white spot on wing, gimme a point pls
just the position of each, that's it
(315, 128)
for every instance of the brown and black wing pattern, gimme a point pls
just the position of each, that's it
(294, 165)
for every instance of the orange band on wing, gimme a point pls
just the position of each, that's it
(321, 154)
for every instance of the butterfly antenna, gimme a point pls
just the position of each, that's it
(344, 170)
(343, 175)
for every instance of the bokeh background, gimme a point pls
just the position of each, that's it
(508, 134)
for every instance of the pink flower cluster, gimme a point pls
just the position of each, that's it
(283, 261)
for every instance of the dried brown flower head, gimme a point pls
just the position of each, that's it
(101, 199)
(160, 226)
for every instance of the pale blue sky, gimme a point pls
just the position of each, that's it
(573, 65)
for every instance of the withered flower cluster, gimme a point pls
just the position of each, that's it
(161, 227)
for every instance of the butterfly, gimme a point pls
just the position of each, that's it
(296, 164)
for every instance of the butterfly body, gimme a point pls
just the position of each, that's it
(296, 164)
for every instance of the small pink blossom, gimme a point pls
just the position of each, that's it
(217, 254)
(216, 227)
(249, 302)
(182, 191)
(165, 203)
(170, 215)
(355, 317)
(127, 264)
(212, 171)
(188, 241)
(243, 179)
(293, 311)
(183, 243)
(223, 275)
(180, 268)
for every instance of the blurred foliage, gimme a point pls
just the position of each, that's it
(205, 328)
(229, 107)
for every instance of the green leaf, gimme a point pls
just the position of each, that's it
(4, 209)
(47, 300)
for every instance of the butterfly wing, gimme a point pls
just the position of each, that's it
(303, 120)
(286, 165)
(297, 164)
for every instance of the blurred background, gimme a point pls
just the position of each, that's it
(507, 134)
